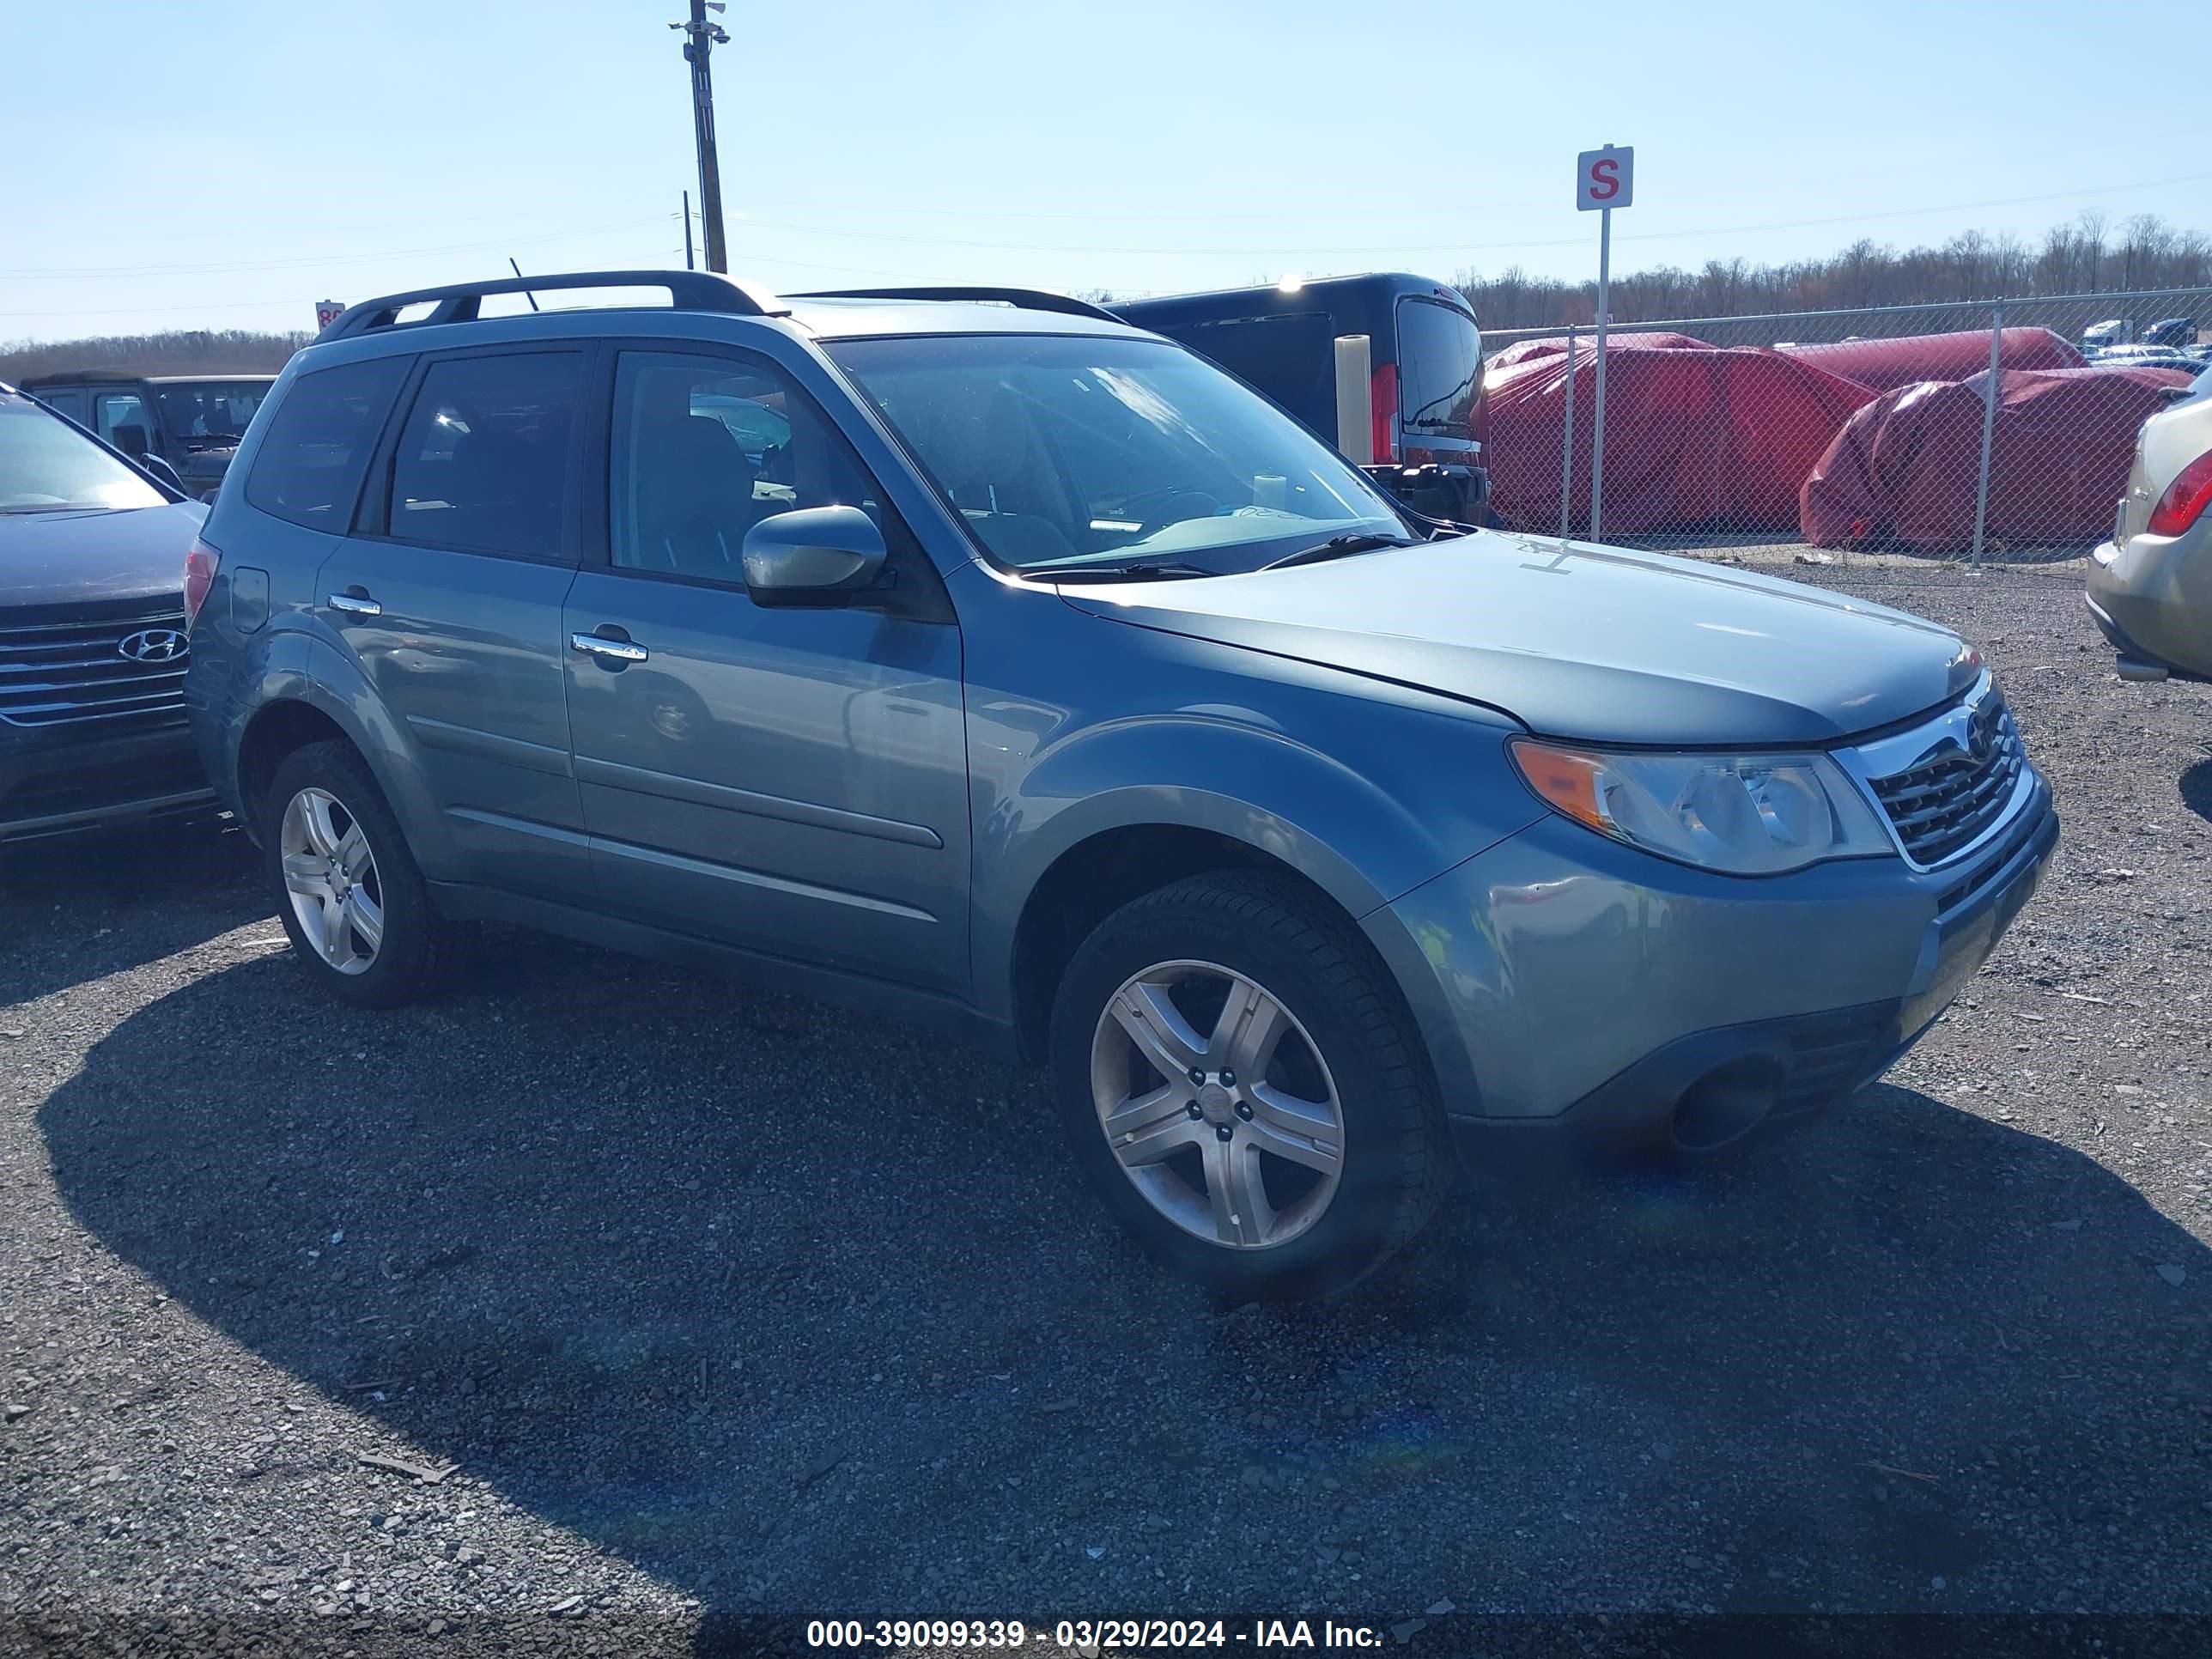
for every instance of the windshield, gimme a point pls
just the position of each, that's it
(48, 466)
(1072, 451)
(208, 411)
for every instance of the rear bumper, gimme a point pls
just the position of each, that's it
(2152, 600)
(55, 788)
(2136, 661)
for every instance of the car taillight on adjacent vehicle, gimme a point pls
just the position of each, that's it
(1382, 391)
(199, 577)
(2186, 498)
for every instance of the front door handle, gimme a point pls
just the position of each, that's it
(355, 604)
(607, 650)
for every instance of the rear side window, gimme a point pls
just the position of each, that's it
(309, 468)
(1439, 368)
(77, 405)
(483, 462)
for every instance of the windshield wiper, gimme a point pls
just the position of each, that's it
(1135, 570)
(1337, 547)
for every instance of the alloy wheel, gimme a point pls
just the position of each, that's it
(1216, 1104)
(331, 876)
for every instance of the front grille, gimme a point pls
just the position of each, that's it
(1945, 799)
(66, 673)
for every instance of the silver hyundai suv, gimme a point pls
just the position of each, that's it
(971, 657)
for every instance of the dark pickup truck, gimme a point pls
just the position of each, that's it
(192, 422)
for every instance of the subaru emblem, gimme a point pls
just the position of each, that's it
(152, 645)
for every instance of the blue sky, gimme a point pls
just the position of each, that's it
(226, 165)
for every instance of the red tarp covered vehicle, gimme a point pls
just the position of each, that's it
(1586, 340)
(1692, 436)
(1904, 469)
(1885, 365)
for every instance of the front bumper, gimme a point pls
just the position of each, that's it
(57, 786)
(1579, 991)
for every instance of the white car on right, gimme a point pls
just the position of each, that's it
(2150, 586)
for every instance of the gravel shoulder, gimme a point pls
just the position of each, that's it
(719, 1304)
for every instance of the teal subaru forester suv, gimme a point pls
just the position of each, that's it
(974, 658)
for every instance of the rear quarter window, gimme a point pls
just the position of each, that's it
(309, 465)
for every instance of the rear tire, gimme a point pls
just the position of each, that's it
(352, 900)
(1297, 1177)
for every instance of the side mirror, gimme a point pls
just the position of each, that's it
(814, 556)
(156, 465)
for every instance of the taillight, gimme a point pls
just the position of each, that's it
(1383, 392)
(199, 577)
(2186, 498)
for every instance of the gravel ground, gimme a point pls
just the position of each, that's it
(722, 1304)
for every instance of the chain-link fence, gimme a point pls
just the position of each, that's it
(1983, 429)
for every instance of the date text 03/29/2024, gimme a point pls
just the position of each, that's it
(1087, 1636)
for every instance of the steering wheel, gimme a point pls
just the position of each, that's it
(1167, 496)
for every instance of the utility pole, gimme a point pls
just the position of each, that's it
(701, 38)
(687, 231)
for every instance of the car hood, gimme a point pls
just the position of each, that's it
(55, 559)
(1600, 644)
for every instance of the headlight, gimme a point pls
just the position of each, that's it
(1748, 815)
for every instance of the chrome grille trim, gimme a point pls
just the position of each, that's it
(1950, 785)
(63, 673)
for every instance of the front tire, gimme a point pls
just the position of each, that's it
(354, 903)
(1242, 1086)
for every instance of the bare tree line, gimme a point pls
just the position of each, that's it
(2086, 255)
(187, 351)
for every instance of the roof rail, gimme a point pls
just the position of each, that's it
(688, 290)
(1029, 299)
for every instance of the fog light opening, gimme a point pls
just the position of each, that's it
(1727, 1104)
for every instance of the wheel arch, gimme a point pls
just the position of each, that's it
(1356, 825)
(328, 698)
(1097, 875)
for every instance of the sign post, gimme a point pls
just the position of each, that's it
(1604, 179)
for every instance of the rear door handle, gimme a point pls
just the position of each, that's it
(597, 644)
(355, 604)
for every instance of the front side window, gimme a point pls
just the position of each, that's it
(704, 448)
(121, 418)
(1071, 450)
(309, 464)
(484, 459)
(48, 466)
(1439, 369)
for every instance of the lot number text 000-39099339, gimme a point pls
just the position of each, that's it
(1088, 1635)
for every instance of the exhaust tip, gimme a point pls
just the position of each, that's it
(2143, 673)
(1727, 1104)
